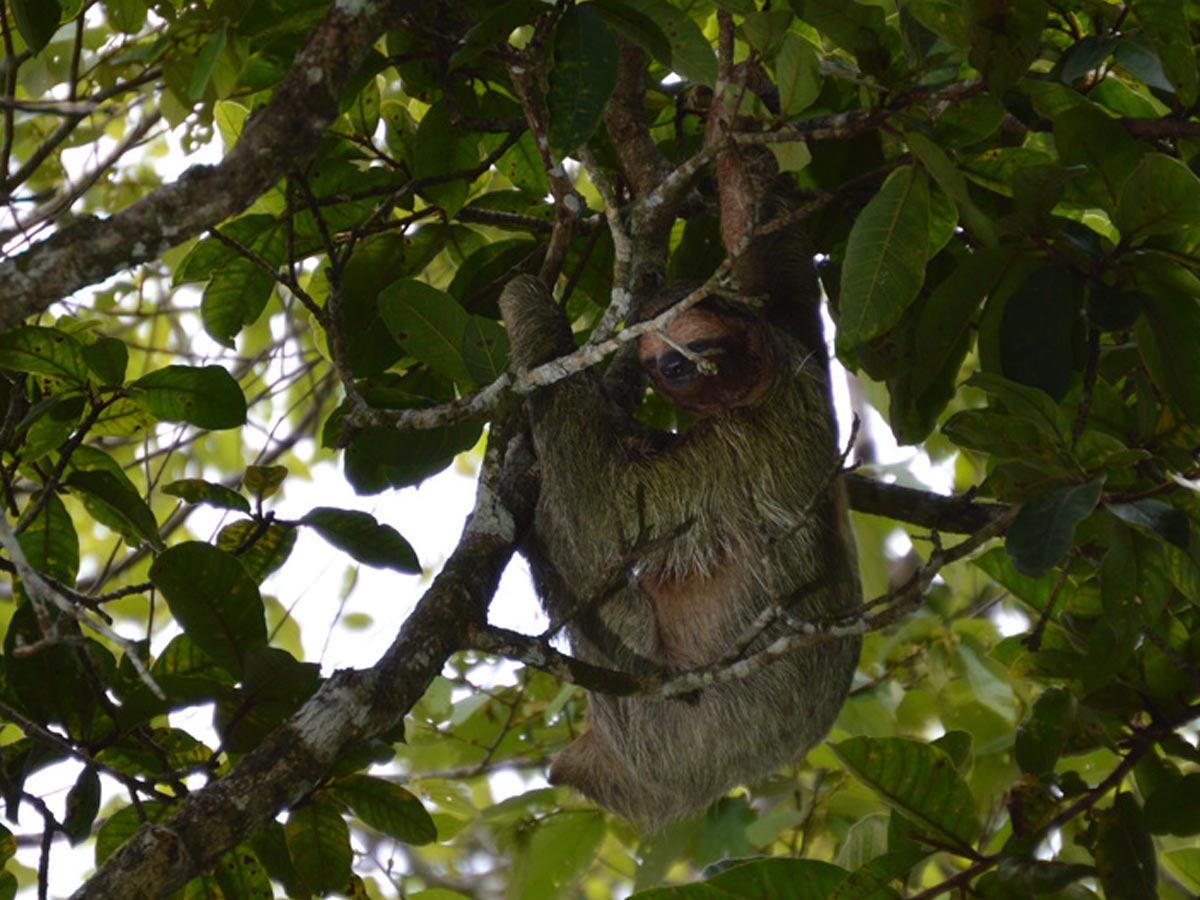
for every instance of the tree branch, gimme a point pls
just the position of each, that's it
(288, 128)
(353, 706)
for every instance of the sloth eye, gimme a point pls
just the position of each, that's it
(677, 369)
(701, 346)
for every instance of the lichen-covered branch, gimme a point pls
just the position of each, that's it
(287, 129)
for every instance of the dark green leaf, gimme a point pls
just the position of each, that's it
(872, 880)
(1043, 736)
(1044, 528)
(632, 24)
(1162, 196)
(692, 53)
(1175, 807)
(127, 511)
(1167, 336)
(856, 27)
(1167, 26)
(918, 781)
(793, 879)
(214, 599)
(261, 551)
(485, 349)
(386, 807)
(207, 397)
(494, 28)
(44, 351)
(443, 148)
(242, 876)
(49, 540)
(429, 324)
(264, 481)
(1124, 852)
(885, 258)
(1040, 876)
(83, 802)
(37, 20)
(798, 74)
(197, 490)
(274, 686)
(382, 458)
(318, 842)
(127, 16)
(584, 75)
(1005, 36)
(376, 263)
(107, 357)
(206, 61)
(360, 535)
(1160, 518)
(1039, 331)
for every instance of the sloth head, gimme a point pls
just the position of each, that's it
(715, 357)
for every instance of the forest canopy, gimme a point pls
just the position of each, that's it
(1003, 202)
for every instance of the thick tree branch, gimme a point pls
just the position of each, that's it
(352, 707)
(286, 130)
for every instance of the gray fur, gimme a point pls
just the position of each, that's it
(746, 501)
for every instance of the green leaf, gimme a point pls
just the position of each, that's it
(44, 351)
(1162, 196)
(207, 397)
(386, 807)
(1157, 517)
(1124, 852)
(127, 512)
(318, 842)
(49, 540)
(859, 28)
(1044, 528)
(37, 20)
(242, 876)
(206, 61)
(274, 686)
(1040, 329)
(949, 312)
(376, 263)
(494, 28)
(1005, 37)
(1040, 876)
(382, 458)
(214, 599)
(1042, 738)
(787, 879)
(127, 16)
(1175, 808)
(485, 349)
(632, 24)
(443, 148)
(692, 53)
(360, 535)
(107, 358)
(916, 780)
(430, 325)
(1167, 26)
(83, 802)
(261, 551)
(584, 75)
(197, 490)
(1167, 336)
(1030, 403)
(553, 855)
(872, 881)
(885, 258)
(797, 73)
(264, 481)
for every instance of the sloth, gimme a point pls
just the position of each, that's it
(659, 552)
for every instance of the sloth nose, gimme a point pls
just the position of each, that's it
(677, 368)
